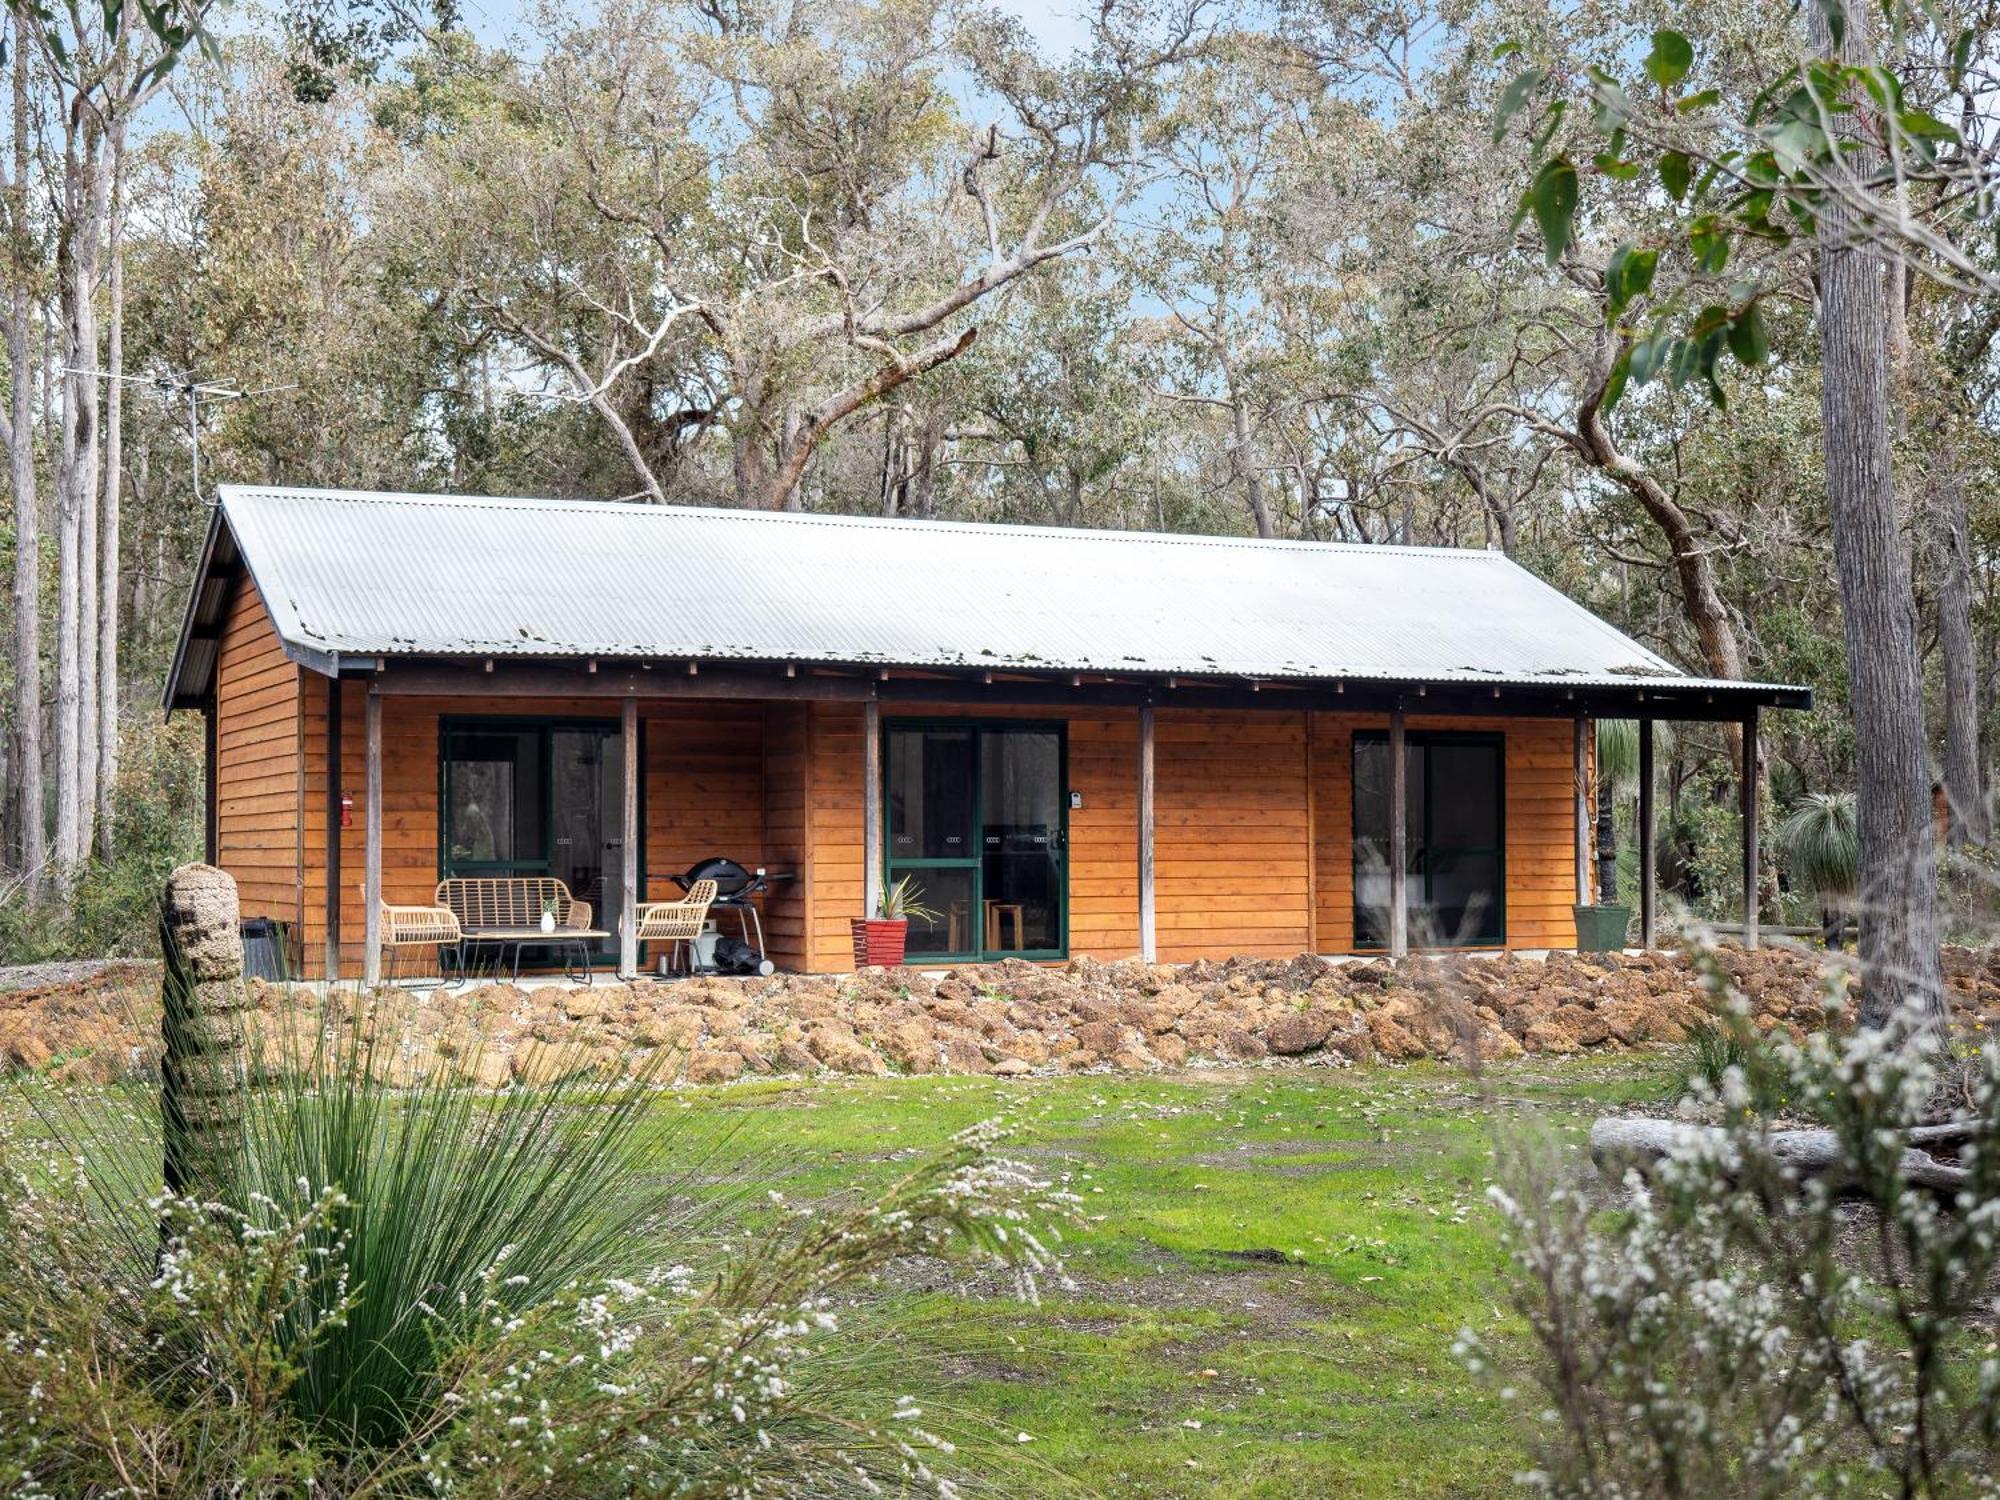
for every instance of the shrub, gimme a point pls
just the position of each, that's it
(1724, 1326)
(399, 1284)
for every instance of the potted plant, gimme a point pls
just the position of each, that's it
(879, 941)
(549, 914)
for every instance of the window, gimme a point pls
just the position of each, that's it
(1455, 824)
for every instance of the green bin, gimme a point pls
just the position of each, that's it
(1601, 929)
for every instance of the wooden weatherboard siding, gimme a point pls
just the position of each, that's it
(1232, 843)
(1253, 845)
(258, 771)
(1539, 787)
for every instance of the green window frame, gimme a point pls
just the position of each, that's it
(894, 867)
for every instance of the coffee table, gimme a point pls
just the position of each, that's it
(574, 943)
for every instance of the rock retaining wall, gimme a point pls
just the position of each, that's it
(1016, 1018)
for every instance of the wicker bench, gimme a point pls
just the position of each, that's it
(507, 911)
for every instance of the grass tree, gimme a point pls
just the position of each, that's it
(1820, 847)
(1618, 781)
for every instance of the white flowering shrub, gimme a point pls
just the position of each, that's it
(421, 1290)
(1764, 1313)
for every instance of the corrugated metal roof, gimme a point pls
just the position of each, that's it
(431, 575)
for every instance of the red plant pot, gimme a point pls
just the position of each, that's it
(879, 942)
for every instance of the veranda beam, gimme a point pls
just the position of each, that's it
(1399, 840)
(1149, 939)
(1648, 883)
(371, 878)
(628, 818)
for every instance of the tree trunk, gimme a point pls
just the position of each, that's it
(1964, 781)
(1607, 844)
(1898, 907)
(30, 815)
(1243, 464)
(202, 1019)
(108, 571)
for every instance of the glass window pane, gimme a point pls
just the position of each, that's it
(928, 794)
(587, 768)
(493, 796)
(1464, 793)
(1453, 827)
(1464, 907)
(948, 893)
(1020, 836)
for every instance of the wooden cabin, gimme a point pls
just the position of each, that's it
(1075, 742)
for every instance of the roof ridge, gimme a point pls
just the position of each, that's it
(444, 501)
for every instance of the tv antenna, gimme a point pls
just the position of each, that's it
(198, 394)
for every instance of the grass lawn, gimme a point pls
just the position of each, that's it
(1273, 1268)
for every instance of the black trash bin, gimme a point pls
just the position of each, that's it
(264, 949)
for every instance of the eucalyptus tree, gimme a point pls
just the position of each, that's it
(748, 226)
(1856, 159)
(1214, 253)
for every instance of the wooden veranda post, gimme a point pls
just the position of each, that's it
(1580, 812)
(1399, 840)
(628, 817)
(1648, 895)
(333, 796)
(1149, 938)
(371, 878)
(871, 806)
(1747, 796)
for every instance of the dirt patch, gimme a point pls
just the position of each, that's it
(1015, 1018)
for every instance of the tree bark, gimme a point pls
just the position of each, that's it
(30, 815)
(1701, 594)
(202, 1023)
(108, 571)
(1964, 778)
(803, 435)
(1618, 1141)
(1607, 844)
(1898, 905)
(1244, 463)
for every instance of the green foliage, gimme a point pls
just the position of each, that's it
(1618, 752)
(1725, 1057)
(396, 1270)
(903, 899)
(1740, 1326)
(156, 825)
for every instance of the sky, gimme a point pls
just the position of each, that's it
(1059, 27)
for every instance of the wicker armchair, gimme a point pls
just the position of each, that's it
(677, 922)
(419, 927)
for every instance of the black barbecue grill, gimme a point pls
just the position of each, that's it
(736, 889)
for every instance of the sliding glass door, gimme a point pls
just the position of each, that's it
(1455, 823)
(976, 817)
(521, 797)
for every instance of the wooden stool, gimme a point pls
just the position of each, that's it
(954, 918)
(996, 914)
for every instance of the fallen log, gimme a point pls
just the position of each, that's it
(1617, 1141)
